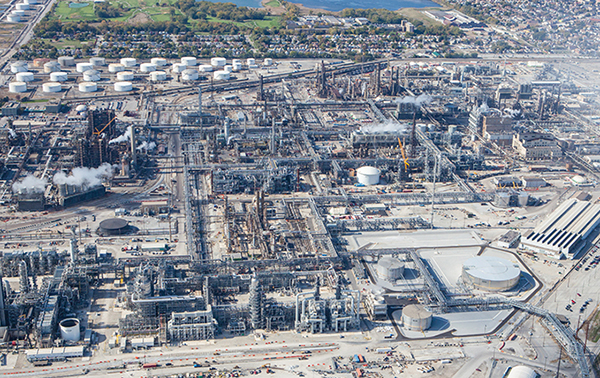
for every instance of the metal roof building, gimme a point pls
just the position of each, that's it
(565, 229)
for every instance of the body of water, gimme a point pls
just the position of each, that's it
(338, 5)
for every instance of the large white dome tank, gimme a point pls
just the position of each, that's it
(51, 87)
(218, 62)
(51, 67)
(368, 175)
(491, 273)
(85, 66)
(66, 61)
(123, 86)
(205, 68)
(178, 67)
(58, 76)
(17, 87)
(158, 76)
(129, 62)
(18, 67)
(24, 76)
(116, 67)
(189, 75)
(160, 62)
(91, 75)
(125, 76)
(221, 75)
(147, 67)
(416, 317)
(389, 268)
(188, 61)
(98, 61)
(69, 330)
(88, 87)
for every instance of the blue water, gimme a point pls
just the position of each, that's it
(338, 5)
(78, 5)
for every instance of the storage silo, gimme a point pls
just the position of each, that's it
(218, 62)
(51, 67)
(24, 76)
(147, 67)
(160, 62)
(178, 67)
(368, 175)
(69, 329)
(17, 87)
(205, 68)
(125, 76)
(491, 273)
(389, 268)
(66, 61)
(91, 75)
(98, 61)
(58, 76)
(84, 66)
(88, 87)
(416, 317)
(221, 75)
(158, 76)
(268, 62)
(189, 75)
(188, 61)
(13, 18)
(116, 67)
(123, 86)
(51, 87)
(18, 67)
(128, 62)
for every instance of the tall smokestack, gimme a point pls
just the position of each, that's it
(133, 146)
(199, 100)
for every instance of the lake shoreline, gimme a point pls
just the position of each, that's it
(305, 10)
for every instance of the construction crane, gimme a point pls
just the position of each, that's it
(406, 164)
(96, 132)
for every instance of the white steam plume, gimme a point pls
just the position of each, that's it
(388, 127)
(418, 101)
(84, 177)
(12, 133)
(30, 184)
(146, 146)
(125, 137)
(484, 108)
(512, 113)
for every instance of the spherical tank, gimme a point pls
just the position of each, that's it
(116, 67)
(97, 61)
(58, 76)
(128, 62)
(368, 175)
(51, 87)
(125, 75)
(158, 75)
(66, 61)
(178, 67)
(491, 273)
(69, 329)
(17, 87)
(22, 6)
(123, 86)
(160, 62)
(88, 87)
(218, 62)
(85, 66)
(389, 268)
(147, 67)
(18, 67)
(205, 68)
(91, 75)
(188, 61)
(189, 75)
(13, 18)
(24, 76)
(416, 317)
(221, 75)
(51, 67)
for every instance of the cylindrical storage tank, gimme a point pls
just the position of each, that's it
(97, 61)
(17, 87)
(221, 75)
(123, 86)
(250, 61)
(91, 75)
(189, 75)
(24, 76)
(51, 67)
(18, 67)
(116, 67)
(490, 273)
(158, 75)
(66, 61)
(205, 68)
(31, 2)
(19, 13)
(125, 75)
(228, 68)
(88, 87)
(416, 317)
(236, 66)
(389, 268)
(521, 372)
(523, 199)
(188, 61)
(147, 67)
(69, 330)
(58, 76)
(82, 67)
(22, 6)
(178, 67)
(268, 61)
(218, 62)
(51, 87)
(128, 62)
(160, 62)
(13, 18)
(113, 226)
(368, 175)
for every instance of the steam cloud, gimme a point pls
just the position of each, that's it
(30, 184)
(418, 101)
(146, 146)
(125, 137)
(484, 108)
(512, 113)
(84, 177)
(388, 127)
(12, 133)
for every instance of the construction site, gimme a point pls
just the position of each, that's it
(355, 219)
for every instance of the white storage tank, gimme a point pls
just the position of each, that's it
(521, 372)
(18, 67)
(58, 76)
(158, 76)
(17, 87)
(66, 61)
(228, 68)
(22, 6)
(13, 18)
(189, 75)
(85, 66)
(178, 67)
(69, 330)
(91, 75)
(123, 86)
(31, 2)
(205, 68)
(20, 13)
(98, 61)
(218, 62)
(237, 66)
(147, 67)
(251, 61)
(368, 175)
(416, 317)
(116, 67)
(24, 76)
(268, 61)
(129, 62)
(51, 67)
(125, 75)
(160, 62)
(88, 87)
(188, 61)
(221, 75)
(491, 273)
(389, 268)
(51, 87)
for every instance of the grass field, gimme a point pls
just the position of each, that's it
(273, 4)
(64, 43)
(269, 21)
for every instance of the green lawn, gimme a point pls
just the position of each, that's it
(63, 43)
(65, 13)
(273, 4)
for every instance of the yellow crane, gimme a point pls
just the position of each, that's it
(406, 164)
(96, 132)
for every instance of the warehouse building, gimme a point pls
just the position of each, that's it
(54, 354)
